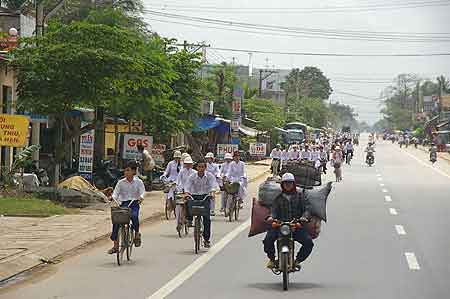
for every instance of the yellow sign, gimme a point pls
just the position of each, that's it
(445, 101)
(13, 130)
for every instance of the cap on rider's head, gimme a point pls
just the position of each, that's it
(228, 156)
(278, 145)
(177, 154)
(188, 160)
(287, 177)
(209, 155)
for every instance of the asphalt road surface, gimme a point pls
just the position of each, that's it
(386, 237)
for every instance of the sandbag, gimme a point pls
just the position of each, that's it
(268, 191)
(318, 201)
(258, 222)
(306, 175)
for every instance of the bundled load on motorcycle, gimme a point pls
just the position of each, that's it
(306, 175)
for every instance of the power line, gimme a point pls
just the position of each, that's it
(329, 54)
(358, 96)
(328, 9)
(313, 32)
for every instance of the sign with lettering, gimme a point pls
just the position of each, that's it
(158, 153)
(86, 161)
(130, 143)
(222, 149)
(13, 130)
(257, 149)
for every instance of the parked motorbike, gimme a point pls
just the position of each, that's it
(285, 250)
(41, 174)
(370, 159)
(106, 175)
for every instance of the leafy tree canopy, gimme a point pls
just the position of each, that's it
(309, 82)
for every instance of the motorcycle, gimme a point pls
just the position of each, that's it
(370, 159)
(106, 175)
(41, 174)
(433, 157)
(285, 250)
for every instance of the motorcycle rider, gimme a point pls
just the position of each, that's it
(276, 159)
(370, 150)
(433, 152)
(288, 206)
(223, 171)
(201, 183)
(348, 149)
(323, 159)
(213, 169)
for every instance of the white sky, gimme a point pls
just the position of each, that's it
(411, 20)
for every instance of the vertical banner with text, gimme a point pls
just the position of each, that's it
(86, 160)
(236, 106)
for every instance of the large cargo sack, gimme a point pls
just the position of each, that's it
(318, 201)
(268, 191)
(306, 175)
(259, 215)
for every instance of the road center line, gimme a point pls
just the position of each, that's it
(382, 185)
(378, 175)
(384, 190)
(411, 259)
(190, 270)
(393, 211)
(400, 230)
(380, 179)
(387, 198)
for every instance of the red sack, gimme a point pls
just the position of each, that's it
(259, 215)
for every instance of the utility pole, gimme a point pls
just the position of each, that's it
(193, 48)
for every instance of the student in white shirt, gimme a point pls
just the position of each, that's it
(294, 154)
(129, 192)
(223, 171)
(276, 159)
(184, 174)
(284, 157)
(198, 185)
(306, 154)
(171, 174)
(236, 174)
(213, 169)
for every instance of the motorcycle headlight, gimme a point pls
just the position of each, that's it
(285, 230)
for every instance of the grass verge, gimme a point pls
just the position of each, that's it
(31, 206)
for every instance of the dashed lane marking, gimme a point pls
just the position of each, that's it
(382, 185)
(411, 259)
(384, 190)
(387, 198)
(400, 230)
(393, 211)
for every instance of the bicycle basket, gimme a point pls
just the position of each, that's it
(179, 199)
(167, 187)
(231, 188)
(120, 215)
(199, 208)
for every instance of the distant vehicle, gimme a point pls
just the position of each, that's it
(346, 129)
(295, 132)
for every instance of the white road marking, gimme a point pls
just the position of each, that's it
(382, 185)
(384, 190)
(378, 175)
(393, 211)
(190, 270)
(380, 179)
(387, 198)
(400, 230)
(428, 165)
(413, 264)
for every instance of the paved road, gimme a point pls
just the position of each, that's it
(386, 238)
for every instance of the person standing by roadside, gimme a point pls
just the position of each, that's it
(276, 160)
(147, 164)
(213, 169)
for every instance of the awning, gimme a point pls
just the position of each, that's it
(206, 122)
(248, 131)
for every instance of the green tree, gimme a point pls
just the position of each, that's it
(310, 82)
(311, 111)
(342, 115)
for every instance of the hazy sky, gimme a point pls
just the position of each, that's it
(343, 71)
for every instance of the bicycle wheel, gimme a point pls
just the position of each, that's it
(130, 242)
(197, 234)
(236, 209)
(166, 209)
(121, 236)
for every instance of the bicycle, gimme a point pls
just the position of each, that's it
(180, 214)
(199, 208)
(232, 200)
(170, 204)
(122, 217)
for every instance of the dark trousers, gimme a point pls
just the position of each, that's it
(134, 218)
(206, 219)
(300, 236)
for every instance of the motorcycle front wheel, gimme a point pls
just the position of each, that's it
(285, 270)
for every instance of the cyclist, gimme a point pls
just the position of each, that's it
(213, 169)
(236, 174)
(184, 175)
(128, 190)
(171, 174)
(223, 171)
(199, 185)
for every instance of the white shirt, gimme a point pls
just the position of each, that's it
(284, 155)
(197, 185)
(323, 155)
(276, 154)
(294, 155)
(236, 171)
(306, 155)
(127, 191)
(183, 176)
(315, 156)
(172, 170)
(213, 168)
(224, 168)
